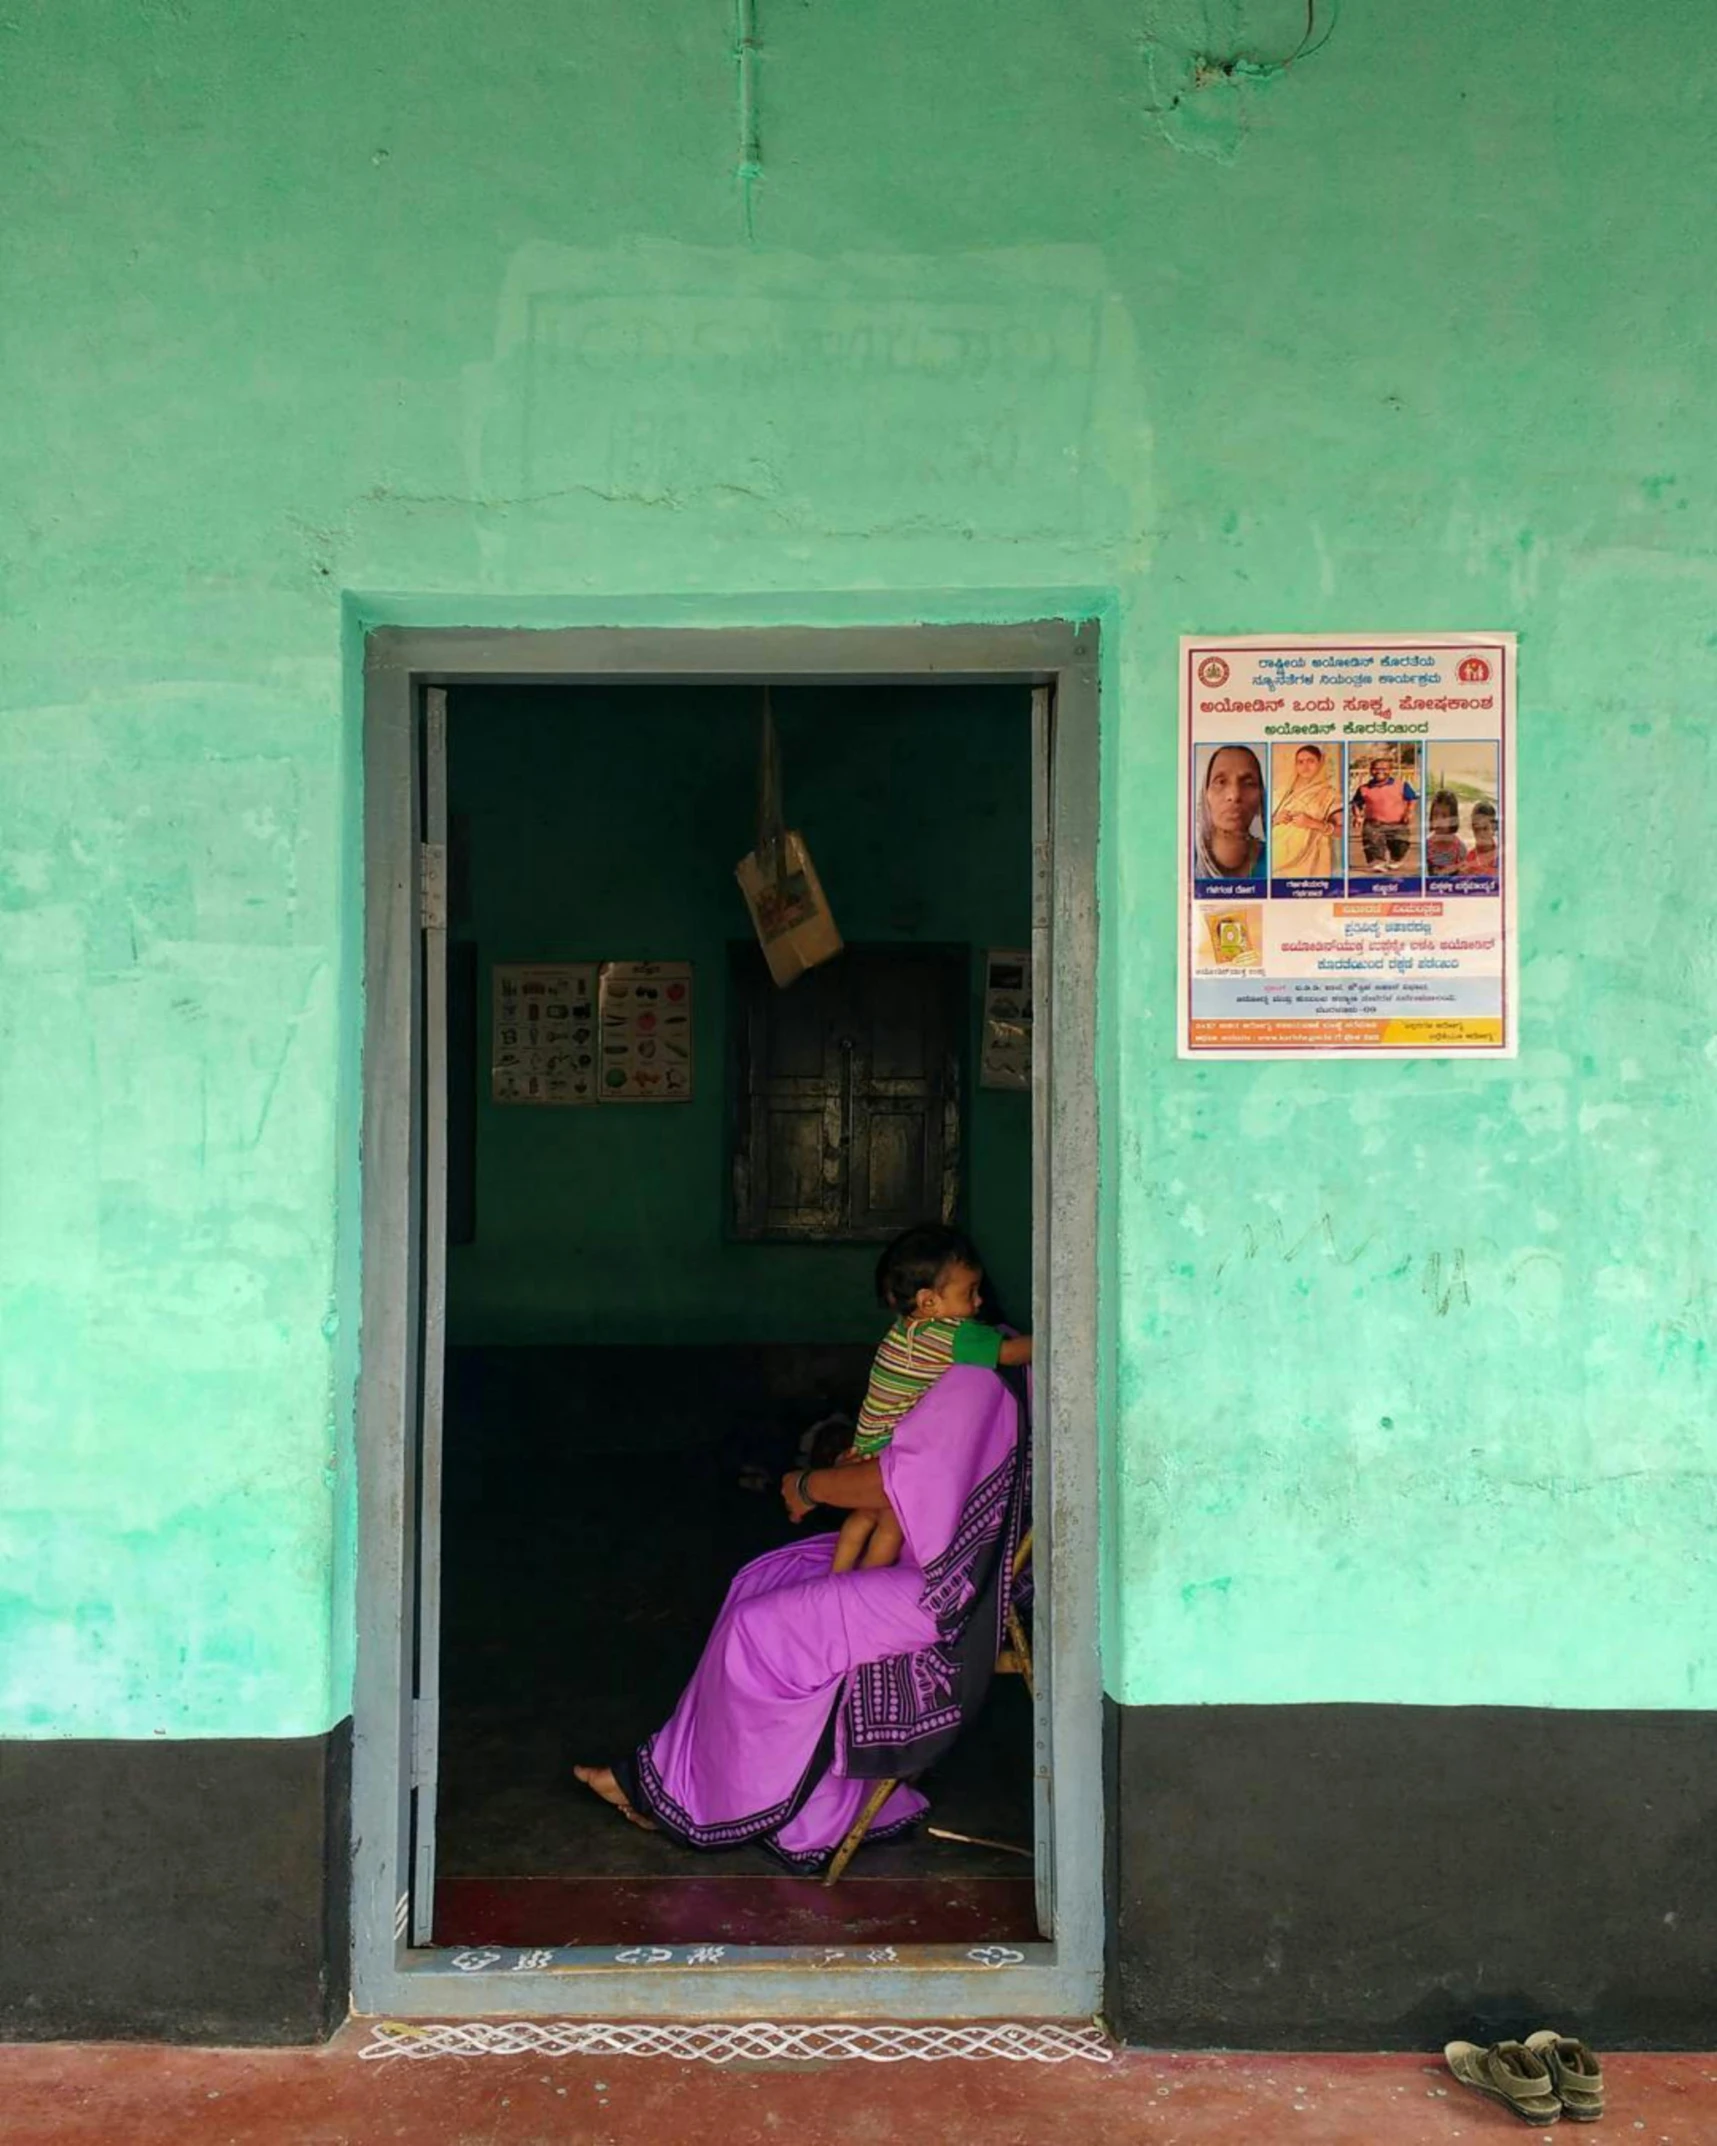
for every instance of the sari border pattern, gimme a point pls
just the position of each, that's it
(647, 1791)
(901, 1713)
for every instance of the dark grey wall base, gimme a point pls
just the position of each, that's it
(1294, 1877)
(1379, 1877)
(184, 1892)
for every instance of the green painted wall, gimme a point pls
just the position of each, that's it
(455, 315)
(609, 823)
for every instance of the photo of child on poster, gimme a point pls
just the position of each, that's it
(1383, 817)
(1462, 851)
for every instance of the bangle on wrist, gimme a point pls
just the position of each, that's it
(802, 1488)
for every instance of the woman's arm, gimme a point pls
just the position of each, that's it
(1016, 1349)
(855, 1488)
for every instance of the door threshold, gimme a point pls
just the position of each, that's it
(509, 1960)
(717, 1981)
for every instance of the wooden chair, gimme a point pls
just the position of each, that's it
(1013, 1661)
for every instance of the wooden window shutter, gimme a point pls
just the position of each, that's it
(846, 1092)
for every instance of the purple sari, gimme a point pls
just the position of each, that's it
(815, 1684)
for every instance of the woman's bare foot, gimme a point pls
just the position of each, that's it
(601, 1782)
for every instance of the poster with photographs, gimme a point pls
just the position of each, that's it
(543, 1047)
(1005, 1060)
(646, 1032)
(1347, 847)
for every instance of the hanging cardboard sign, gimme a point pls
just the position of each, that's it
(543, 1040)
(1347, 847)
(646, 1032)
(789, 911)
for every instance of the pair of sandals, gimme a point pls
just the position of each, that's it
(1547, 2076)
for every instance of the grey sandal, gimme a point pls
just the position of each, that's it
(1508, 2072)
(1575, 2073)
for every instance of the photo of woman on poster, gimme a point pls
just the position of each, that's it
(1306, 824)
(1230, 831)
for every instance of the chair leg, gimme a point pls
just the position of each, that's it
(861, 1825)
(1021, 1649)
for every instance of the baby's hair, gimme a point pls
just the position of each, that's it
(918, 1259)
(1446, 801)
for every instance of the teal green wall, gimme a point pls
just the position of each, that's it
(449, 314)
(608, 824)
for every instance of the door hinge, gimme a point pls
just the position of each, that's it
(432, 884)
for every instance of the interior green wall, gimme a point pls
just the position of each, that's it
(608, 823)
(454, 315)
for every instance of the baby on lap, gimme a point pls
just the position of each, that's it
(933, 1282)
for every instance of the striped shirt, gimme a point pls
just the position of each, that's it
(913, 1356)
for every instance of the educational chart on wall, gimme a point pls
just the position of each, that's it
(544, 1034)
(1347, 846)
(646, 1027)
(1005, 1060)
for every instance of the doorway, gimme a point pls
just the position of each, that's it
(625, 1329)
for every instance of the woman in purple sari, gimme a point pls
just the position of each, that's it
(815, 1684)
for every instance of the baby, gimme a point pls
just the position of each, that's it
(1482, 861)
(931, 1280)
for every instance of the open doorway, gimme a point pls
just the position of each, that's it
(428, 1037)
(656, 1305)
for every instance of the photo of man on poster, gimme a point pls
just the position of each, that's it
(1385, 806)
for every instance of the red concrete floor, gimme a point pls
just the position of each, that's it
(735, 1911)
(149, 2096)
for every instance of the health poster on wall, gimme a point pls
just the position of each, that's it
(1347, 847)
(1005, 1060)
(646, 1030)
(543, 1048)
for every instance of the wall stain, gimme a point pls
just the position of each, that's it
(1687, 1329)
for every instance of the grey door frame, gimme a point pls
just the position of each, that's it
(432, 1322)
(1058, 1977)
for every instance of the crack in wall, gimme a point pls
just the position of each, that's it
(747, 48)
